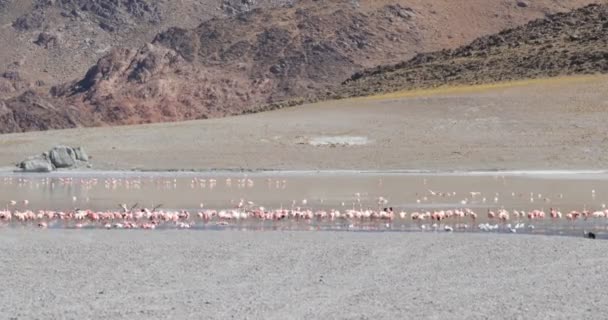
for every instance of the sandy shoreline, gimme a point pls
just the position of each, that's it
(298, 275)
(552, 123)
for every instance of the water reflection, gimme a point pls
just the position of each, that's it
(356, 192)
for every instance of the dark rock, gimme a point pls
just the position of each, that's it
(399, 11)
(34, 112)
(110, 15)
(63, 157)
(276, 69)
(47, 40)
(32, 21)
(107, 27)
(4, 4)
(522, 4)
(114, 14)
(37, 164)
(589, 235)
(183, 41)
(12, 75)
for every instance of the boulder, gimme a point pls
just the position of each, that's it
(56, 158)
(47, 40)
(37, 164)
(81, 155)
(63, 157)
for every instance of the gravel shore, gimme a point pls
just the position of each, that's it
(98, 274)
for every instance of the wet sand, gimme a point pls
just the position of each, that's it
(98, 274)
(546, 124)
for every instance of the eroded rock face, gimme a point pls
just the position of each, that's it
(32, 111)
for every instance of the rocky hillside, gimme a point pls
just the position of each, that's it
(227, 66)
(252, 53)
(54, 41)
(561, 44)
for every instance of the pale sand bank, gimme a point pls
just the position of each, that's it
(539, 124)
(99, 274)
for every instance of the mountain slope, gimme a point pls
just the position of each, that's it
(54, 41)
(562, 44)
(226, 66)
(232, 65)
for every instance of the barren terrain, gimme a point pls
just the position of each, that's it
(561, 44)
(553, 123)
(100, 274)
(146, 64)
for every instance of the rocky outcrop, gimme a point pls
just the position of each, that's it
(59, 157)
(234, 7)
(32, 111)
(37, 164)
(561, 44)
(109, 14)
(30, 21)
(68, 157)
(63, 157)
(47, 40)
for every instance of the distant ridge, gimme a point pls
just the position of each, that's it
(561, 44)
(259, 55)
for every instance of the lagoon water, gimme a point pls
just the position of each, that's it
(321, 190)
(342, 190)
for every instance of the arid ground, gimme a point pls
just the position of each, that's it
(552, 123)
(99, 274)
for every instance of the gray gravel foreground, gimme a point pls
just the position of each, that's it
(118, 274)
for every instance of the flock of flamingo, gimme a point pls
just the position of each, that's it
(144, 218)
(378, 216)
